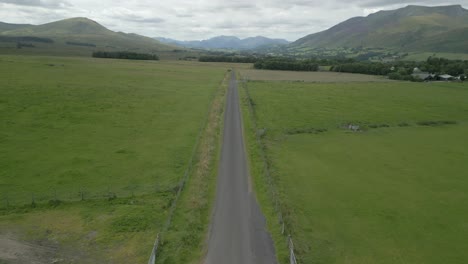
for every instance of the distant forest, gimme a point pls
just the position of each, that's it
(397, 70)
(80, 44)
(403, 70)
(224, 58)
(125, 55)
(25, 39)
(285, 64)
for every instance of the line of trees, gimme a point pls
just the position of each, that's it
(20, 45)
(124, 55)
(399, 70)
(403, 70)
(441, 65)
(25, 39)
(372, 68)
(221, 58)
(80, 44)
(285, 64)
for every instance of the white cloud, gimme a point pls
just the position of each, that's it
(201, 19)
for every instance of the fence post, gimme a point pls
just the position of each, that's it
(292, 256)
(152, 259)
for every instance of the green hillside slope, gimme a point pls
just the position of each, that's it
(7, 26)
(75, 36)
(408, 29)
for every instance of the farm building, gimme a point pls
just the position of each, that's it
(445, 77)
(425, 76)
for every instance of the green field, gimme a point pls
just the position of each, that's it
(393, 192)
(318, 77)
(118, 134)
(422, 56)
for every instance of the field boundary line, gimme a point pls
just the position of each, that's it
(271, 186)
(188, 171)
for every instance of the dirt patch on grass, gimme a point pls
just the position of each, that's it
(13, 250)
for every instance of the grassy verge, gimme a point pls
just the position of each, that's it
(392, 191)
(184, 241)
(265, 190)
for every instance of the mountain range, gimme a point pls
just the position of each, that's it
(77, 36)
(408, 29)
(226, 42)
(412, 28)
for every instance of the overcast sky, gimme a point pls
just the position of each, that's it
(202, 19)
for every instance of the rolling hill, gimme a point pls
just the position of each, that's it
(412, 28)
(7, 26)
(74, 36)
(227, 42)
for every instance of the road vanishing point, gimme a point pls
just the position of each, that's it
(238, 232)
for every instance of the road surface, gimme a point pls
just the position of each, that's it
(238, 233)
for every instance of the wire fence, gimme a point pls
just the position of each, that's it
(272, 190)
(19, 198)
(152, 258)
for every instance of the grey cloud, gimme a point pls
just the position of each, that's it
(153, 20)
(384, 3)
(124, 14)
(38, 3)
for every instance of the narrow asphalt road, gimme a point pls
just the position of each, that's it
(238, 233)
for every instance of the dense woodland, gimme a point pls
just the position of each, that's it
(403, 70)
(83, 44)
(223, 58)
(398, 70)
(286, 64)
(25, 38)
(125, 55)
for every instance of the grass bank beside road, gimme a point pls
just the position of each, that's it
(184, 241)
(392, 191)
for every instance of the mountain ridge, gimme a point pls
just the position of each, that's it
(81, 35)
(226, 42)
(407, 28)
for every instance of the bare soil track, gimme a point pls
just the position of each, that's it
(238, 232)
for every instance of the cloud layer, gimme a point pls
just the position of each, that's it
(202, 19)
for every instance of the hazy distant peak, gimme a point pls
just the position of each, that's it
(227, 42)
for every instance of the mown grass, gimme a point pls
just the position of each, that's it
(109, 130)
(394, 192)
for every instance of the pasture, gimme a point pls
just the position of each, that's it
(394, 191)
(320, 77)
(93, 150)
